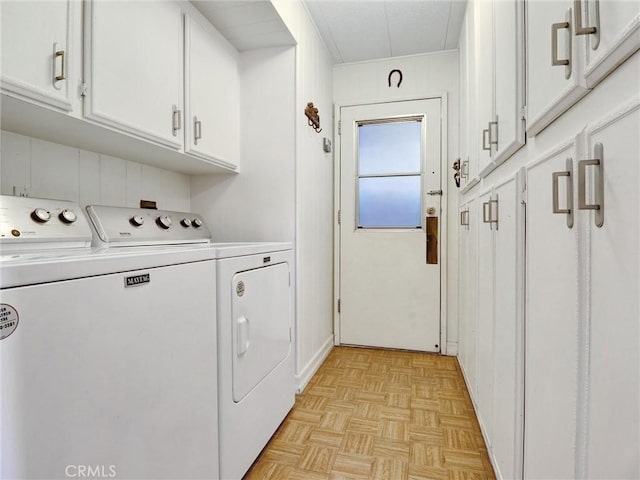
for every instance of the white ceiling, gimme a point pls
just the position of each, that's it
(246, 24)
(357, 30)
(352, 30)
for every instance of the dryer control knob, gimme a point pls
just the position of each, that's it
(67, 216)
(196, 222)
(137, 220)
(41, 215)
(185, 222)
(164, 221)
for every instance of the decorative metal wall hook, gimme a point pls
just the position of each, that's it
(456, 175)
(391, 74)
(314, 118)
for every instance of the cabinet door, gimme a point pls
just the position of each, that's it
(37, 48)
(508, 78)
(507, 375)
(483, 66)
(133, 68)
(617, 35)
(485, 312)
(468, 284)
(464, 104)
(211, 96)
(612, 388)
(552, 89)
(468, 144)
(551, 325)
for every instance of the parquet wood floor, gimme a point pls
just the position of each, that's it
(379, 414)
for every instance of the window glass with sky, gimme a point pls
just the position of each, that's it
(389, 174)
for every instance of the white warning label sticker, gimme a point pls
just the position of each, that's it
(8, 320)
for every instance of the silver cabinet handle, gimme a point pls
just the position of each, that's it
(485, 134)
(598, 161)
(493, 141)
(58, 52)
(555, 61)
(487, 212)
(580, 30)
(464, 171)
(464, 218)
(486, 217)
(554, 187)
(197, 130)
(176, 120)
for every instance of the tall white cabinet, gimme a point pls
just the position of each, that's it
(493, 91)
(549, 270)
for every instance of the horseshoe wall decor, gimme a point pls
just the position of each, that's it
(391, 74)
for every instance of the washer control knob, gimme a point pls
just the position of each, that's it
(41, 215)
(185, 222)
(164, 221)
(137, 220)
(196, 222)
(67, 216)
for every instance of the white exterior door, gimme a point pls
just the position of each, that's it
(389, 253)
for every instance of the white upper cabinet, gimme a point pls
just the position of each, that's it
(612, 33)
(493, 46)
(554, 63)
(572, 46)
(134, 68)
(37, 51)
(508, 27)
(211, 96)
(483, 72)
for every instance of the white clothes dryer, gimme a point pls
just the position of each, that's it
(255, 349)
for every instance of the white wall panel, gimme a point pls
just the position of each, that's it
(314, 191)
(51, 170)
(54, 171)
(170, 190)
(113, 174)
(134, 182)
(15, 168)
(89, 178)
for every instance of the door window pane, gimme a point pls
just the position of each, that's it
(389, 148)
(388, 202)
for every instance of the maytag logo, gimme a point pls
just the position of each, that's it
(136, 280)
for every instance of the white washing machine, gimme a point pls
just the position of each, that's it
(108, 357)
(255, 348)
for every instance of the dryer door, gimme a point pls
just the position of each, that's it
(261, 313)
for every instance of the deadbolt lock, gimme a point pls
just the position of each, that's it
(431, 210)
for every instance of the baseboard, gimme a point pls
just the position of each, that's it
(494, 463)
(303, 378)
(452, 349)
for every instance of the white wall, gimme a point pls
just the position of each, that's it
(423, 75)
(50, 170)
(314, 193)
(258, 204)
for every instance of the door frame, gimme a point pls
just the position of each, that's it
(444, 212)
